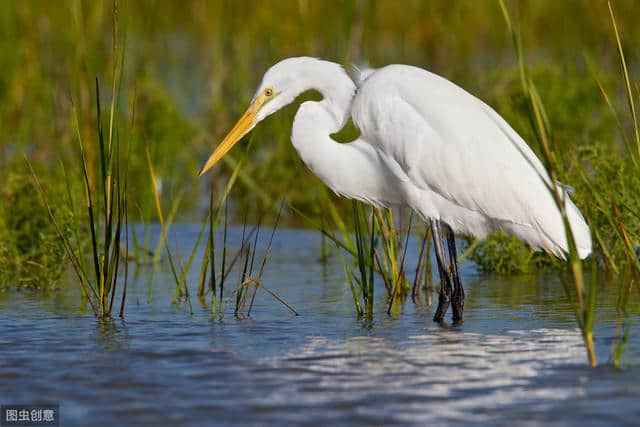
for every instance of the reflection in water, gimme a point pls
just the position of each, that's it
(468, 370)
(517, 359)
(112, 334)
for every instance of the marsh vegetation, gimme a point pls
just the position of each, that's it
(116, 105)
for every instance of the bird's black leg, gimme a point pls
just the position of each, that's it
(457, 298)
(444, 298)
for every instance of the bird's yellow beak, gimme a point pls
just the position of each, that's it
(240, 129)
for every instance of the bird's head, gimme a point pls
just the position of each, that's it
(280, 85)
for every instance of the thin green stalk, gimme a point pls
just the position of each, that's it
(242, 276)
(166, 227)
(324, 231)
(67, 246)
(224, 255)
(273, 233)
(625, 72)
(540, 124)
(156, 198)
(183, 284)
(372, 251)
(89, 200)
(255, 245)
(354, 294)
(126, 264)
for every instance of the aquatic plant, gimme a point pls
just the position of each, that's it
(247, 280)
(585, 297)
(181, 286)
(105, 199)
(618, 201)
(31, 254)
(107, 216)
(365, 258)
(182, 84)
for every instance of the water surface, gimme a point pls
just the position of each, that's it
(517, 360)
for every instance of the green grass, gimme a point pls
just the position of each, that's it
(106, 217)
(105, 180)
(30, 249)
(193, 70)
(190, 72)
(584, 298)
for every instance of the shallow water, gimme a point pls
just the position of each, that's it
(517, 359)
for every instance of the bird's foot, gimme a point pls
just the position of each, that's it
(443, 306)
(457, 308)
(456, 321)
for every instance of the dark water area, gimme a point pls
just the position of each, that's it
(517, 360)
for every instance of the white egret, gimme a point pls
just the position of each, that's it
(424, 143)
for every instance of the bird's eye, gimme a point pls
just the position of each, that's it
(268, 92)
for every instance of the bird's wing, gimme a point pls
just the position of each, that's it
(451, 143)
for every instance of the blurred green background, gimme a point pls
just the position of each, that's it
(192, 66)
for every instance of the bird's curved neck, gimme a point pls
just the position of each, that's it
(335, 86)
(355, 169)
(316, 121)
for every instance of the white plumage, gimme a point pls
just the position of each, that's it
(470, 168)
(425, 143)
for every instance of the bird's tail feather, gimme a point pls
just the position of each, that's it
(551, 236)
(579, 228)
